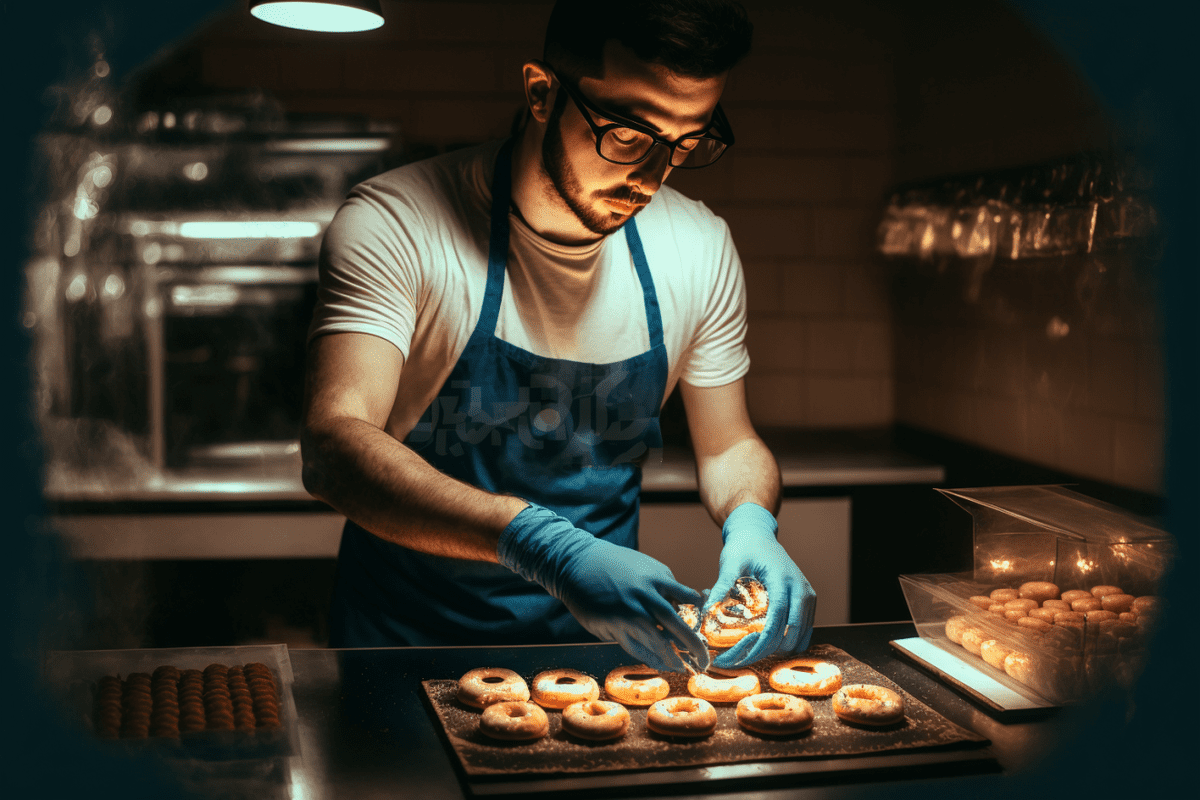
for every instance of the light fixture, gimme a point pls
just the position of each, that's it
(332, 16)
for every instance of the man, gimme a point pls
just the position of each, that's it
(495, 336)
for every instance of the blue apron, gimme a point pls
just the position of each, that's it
(566, 435)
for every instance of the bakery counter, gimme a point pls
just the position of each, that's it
(366, 728)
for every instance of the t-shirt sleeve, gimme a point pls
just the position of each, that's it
(718, 354)
(370, 280)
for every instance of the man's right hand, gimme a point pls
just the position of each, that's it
(616, 593)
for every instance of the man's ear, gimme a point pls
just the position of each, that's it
(539, 89)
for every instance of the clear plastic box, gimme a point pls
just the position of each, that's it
(1048, 534)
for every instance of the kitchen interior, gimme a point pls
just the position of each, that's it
(949, 249)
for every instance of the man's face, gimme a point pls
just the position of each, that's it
(603, 196)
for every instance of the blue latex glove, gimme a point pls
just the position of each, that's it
(615, 592)
(752, 549)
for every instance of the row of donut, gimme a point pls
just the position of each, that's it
(509, 714)
(1044, 615)
(171, 701)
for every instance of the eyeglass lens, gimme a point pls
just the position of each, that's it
(627, 146)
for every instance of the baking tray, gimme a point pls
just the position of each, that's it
(72, 675)
(559, 762)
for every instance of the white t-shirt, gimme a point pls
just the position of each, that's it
(405, 259)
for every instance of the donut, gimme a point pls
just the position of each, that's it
(636, 686)
(1071, 595)
(997, 608)
(994, 653)
(597, 720)
(1101, 591)
(487, 685)
(1117, 602)
(559, 688)
(864, 704)
(1004, 595)
(1100, 615)
(1039, 591)
(1145, 603)
(1023, 604)
(741, 612)
(1057, 605)
(1069, 618)
(811, 677)
(1044, 613)
(1035, 624)
(1019, 665)
(774, 714)
(972, 639)
(1087, 604)
(689, 614)
(726, 686)
(1127, 616)
(514, 721)
(955, 626)
(682, 716)
(1015, 614)
(982, 601)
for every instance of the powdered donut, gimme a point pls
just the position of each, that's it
(864, 704)
(559, 688)
(636, 686)
(597, 720)
(682, 716)
(811, 677)
(774, 714)
(725, 686)
(484, 686)
(514, 720)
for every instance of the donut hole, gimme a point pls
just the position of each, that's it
(771, 704)
(493, 679)
(595, 710)
(809, 670)
(687, 706)
(516, 713)
(861, 694)
(639, 676)
(564, 679)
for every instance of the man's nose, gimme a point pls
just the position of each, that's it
(650, 174)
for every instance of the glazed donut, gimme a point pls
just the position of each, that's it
(1035, 624)
(597, 720)
(727, 686)
(811, 677)
(559, 688)
(994, 653)
(1069, 618)
(1117, 602)
(682, 716)
(689, 614)
(864, 704)
(1071, 595)
(1044, 613)
(742, 612)
(514, 720)
(636, 686)
(1019, 665)
(1100, 615)
(484, 686)
(1100, 591)
(1057, 605)
(955, 627)
(774, 714)
(1087, 604)
(1145, 603)
(1015, 614)
(982, 601)
(1004, 595)
(1039, 591)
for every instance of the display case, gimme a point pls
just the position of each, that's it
(1063, 594)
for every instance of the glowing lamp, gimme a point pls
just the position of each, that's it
(331, 16)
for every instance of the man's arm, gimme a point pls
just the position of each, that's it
(354, 465)
(740, 486)
(733, 466)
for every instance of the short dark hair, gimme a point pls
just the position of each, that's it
(695, 38)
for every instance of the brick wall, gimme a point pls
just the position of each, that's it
(980, 93)
(813, 108)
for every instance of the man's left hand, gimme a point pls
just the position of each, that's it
(752, 549)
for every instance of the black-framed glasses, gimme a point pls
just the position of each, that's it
(627, 142)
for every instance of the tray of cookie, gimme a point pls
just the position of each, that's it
(209, 703)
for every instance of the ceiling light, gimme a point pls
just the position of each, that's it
(332, 16)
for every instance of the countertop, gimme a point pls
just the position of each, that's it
(271, 474)
(365, 731)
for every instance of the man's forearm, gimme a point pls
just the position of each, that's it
(389, 490)
(745, 472)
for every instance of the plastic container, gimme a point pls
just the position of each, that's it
(1046, 534)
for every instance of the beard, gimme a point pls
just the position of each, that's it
(598, 220)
